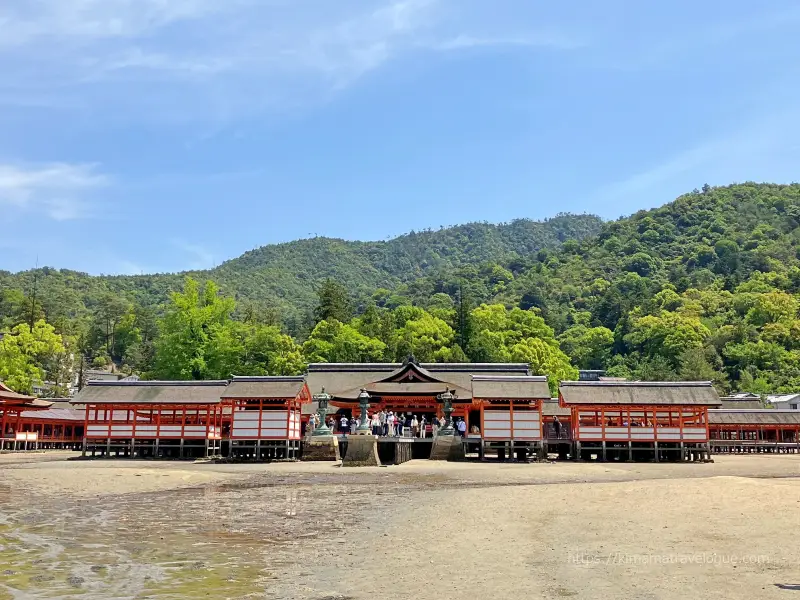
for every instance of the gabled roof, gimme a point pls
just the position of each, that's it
(741, 403)
(345, 378)
(151, 392)
(655, 393)
(764, 416)
(341, 377)
(55, 414)
(410, 373)
(6, 393)
(551, 408)
(407, 389)
(264, 387)
(512, 387)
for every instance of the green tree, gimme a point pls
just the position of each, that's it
(695, 366)
(268, 351)
(111, 311)
(544, 359)
(25, 351)
(195, 325)
(419, 333)
(666, 335)
(588, 347)
(332, 341)
(655, 368)
(772, 307)
(334, 302)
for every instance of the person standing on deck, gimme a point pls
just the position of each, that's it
(353, 425)
(390, 424)
(414, 426)
(557, 426)
(382, 418)
(376, 424)
(343, 423)
(400, 423)
(435, 427)
(462, 427)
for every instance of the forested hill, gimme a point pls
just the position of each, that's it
(704, 288)
(283, 279)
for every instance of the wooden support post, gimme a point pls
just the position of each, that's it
(655, 450)
(3, 431)
(630, 451)
(577, 450)
(604, 451)
(180, 452)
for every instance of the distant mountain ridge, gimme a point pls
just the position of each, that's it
(284, 276)
(706, 287)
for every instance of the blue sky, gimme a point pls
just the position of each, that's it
(160, 135)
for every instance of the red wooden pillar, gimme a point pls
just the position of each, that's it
(602, 424)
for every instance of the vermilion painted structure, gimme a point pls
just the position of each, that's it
(624, 420)
(263, 416)
(152, 418)
(754, 430)
(506, 408)
(12, 408)
(511, 411)
(500, 402)
(60, 426)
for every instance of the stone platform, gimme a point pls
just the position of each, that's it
(362, 451)
(323, 447)
(448, 447)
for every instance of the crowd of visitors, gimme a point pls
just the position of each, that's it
(390, 424)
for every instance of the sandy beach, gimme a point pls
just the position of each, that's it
(157, 529)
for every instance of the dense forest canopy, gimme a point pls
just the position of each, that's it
(281, 281)
(705, 287)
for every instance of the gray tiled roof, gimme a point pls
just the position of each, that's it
(344, 378)
(764, 416)
(488, 387)
(264, 387)
(151, 392)
(664, 393)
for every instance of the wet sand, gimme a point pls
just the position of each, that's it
(156, 529)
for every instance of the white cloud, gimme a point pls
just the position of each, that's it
(552, 40)
(212, 59)
(60, 191)
(87, 20)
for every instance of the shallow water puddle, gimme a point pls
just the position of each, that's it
(192, 543)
